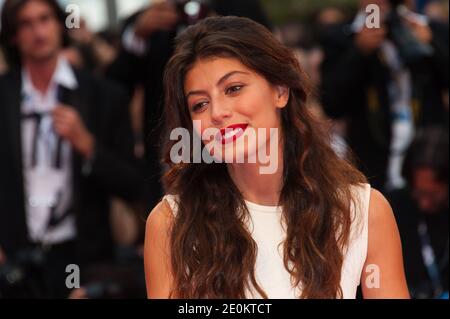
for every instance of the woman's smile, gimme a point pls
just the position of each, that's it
(231, 133)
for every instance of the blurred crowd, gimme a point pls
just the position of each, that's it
(82, 132)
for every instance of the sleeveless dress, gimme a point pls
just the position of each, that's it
(265, 226)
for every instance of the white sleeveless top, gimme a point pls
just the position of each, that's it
(266, 228)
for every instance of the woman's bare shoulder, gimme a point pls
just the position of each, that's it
(380, 210)
(157, 251)
(384, 252)
(160, 217)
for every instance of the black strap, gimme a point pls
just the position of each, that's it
(58, 160)
(54, 220)
(37, 117)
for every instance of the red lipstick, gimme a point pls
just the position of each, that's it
(231, 133)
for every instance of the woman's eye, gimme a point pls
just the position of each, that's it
(234, 89)
(198, 107)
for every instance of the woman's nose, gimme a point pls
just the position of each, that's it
(219, 113)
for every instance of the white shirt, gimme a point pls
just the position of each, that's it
(46, 185)
(267, 230)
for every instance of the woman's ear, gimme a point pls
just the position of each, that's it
(282, 96)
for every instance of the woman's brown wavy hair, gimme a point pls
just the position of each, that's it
(212, 252)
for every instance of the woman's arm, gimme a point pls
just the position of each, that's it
(383, 274)
(158, 270)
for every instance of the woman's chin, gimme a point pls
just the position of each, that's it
(243, 150)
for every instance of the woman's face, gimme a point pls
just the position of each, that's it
(235, 107)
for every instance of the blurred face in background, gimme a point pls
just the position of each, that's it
(430, 194)
(39, 32)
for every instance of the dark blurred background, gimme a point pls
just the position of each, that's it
(384, 94)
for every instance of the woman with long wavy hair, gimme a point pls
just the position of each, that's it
(310, 228)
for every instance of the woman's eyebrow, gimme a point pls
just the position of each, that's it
(222, 79)
(230, 74)
(196, 93)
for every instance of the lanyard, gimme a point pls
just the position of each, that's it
(44, 134)
(47, 149)
(429, 258)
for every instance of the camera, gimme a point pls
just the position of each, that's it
(410, 48)
(192, 11)
(20, 276)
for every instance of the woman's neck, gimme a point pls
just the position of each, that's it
(258, 188)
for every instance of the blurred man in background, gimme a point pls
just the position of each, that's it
(388, 82)
(422, 212)
(67, 147)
